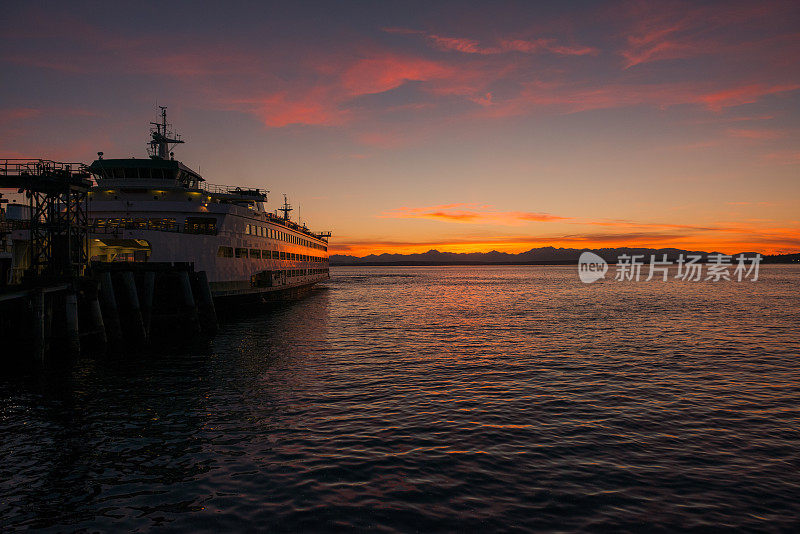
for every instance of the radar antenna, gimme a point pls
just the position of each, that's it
(285, 209)
(162, 138)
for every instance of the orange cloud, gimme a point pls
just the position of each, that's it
(515, 244)
(748, 235)
(470, 213)
(633, 224)
(500, 243)
(785, 241)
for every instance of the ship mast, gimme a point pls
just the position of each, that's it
(162, 138)
(285, 209)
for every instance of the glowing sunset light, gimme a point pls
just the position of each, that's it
(499, 127)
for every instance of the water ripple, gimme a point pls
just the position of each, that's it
(429, 399)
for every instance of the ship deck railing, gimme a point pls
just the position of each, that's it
(176, 229)
(38, 167)
(296, 227)
(233, 190)
(43, 175)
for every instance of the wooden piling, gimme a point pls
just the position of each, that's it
(73, 336)
(49, 305)
(119, 303)
(148, 291)
(133, 311)
(110, 311)
(205, 304)
(188, 307)
(95, 314)
(39, 338)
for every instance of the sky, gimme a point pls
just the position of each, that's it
(458, 126)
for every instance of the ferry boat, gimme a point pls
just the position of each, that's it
(157, 209)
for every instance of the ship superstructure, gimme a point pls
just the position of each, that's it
(157, 209)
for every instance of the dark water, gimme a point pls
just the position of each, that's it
(431, 399)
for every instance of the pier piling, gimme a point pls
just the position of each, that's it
(95, 313)
(205, 304)
(39, 337)
(189, 308)
(117, 305)
(133, 312)
(108, 305)
(73, 336)
(148, 290)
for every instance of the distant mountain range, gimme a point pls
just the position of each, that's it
(543, 255)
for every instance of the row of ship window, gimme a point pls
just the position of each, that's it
(272, 278)
(303, 272)
(230, 252)
(193, 225)
(265, 231)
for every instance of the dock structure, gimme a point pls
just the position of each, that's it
(114, 307)
(62, 300)
(57, 196)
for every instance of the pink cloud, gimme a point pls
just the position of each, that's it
(467, 46)
(744, 94)
(277, 110)
(472, 46)
(658, 31)
(545, 45)
(381, 139)
(379, 74)
(651, 43)
(743, 133)
(783, 157)
(324, 88)
(485, 100)
(10, 115)
(571, 98)
(328, 97)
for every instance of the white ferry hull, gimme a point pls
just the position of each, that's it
(159, 210)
